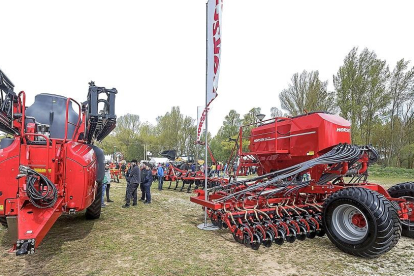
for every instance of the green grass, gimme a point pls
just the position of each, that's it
(162, 239)
(391, 172)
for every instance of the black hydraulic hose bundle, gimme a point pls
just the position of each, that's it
(338, 154)
(45, 196)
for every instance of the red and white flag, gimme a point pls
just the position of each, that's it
(213, 55)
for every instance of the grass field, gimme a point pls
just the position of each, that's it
(162, 239)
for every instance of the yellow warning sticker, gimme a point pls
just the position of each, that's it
(40, 170)
(1, 207)
(311, 152)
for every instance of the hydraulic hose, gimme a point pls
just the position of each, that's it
(338, 154)
(44, 195)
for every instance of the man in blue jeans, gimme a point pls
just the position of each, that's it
(160, 173)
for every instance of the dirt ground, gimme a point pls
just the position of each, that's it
(162, 239)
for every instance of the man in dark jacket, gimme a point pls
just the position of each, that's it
(134, 180)
(143, 175)
(123, 169)
(147, 185)
(127, 174)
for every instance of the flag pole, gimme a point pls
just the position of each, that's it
(206, 158)
(205, 225)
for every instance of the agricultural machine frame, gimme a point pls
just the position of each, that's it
(311, 181)
(174, 174)
(48, 163)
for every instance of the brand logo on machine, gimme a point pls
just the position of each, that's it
(263, 139)
(343, 129)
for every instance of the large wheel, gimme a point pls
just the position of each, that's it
(361, 222)
(406, 191)
(3, 221)
(94, 211)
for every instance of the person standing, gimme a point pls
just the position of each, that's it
(134, 180)
(147, 185)
(160, 174)
(213, 169)
(108, 184)
(218, 169)
(123, 169)
(143, 174)
(127, 174)
(106, 181)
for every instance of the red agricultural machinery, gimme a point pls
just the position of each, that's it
(48, 163)
(116, 174)
(311, 181)
(175, 173)
(187, 177)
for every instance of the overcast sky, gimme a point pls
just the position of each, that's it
(153, 52)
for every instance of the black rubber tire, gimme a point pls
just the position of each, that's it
(3, 221)
(384, 226)
(94, 211)
(399, 190)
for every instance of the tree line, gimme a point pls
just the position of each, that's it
(377, 98)
(132, 137)
(374, 96)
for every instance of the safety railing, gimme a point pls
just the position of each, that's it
(77, 125)
(22, 103)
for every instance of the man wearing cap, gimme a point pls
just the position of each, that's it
(134, 180)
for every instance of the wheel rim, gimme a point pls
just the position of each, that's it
(349, 222)
(410, 203)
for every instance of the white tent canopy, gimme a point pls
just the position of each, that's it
(156, 160)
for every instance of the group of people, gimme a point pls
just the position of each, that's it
(138, 176)
(216, 169)
(141, 176)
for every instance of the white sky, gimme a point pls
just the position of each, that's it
(153, 52)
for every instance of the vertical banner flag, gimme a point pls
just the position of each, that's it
(200, 112)
(213, 56)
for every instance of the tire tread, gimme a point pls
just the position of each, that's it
(94, 210)
(384, 214)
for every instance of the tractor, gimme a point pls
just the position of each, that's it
(311, 181)
(49, 164)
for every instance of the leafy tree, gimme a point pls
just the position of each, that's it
(222, 144)
(176, 131)
(250, 117)
(306, 93)
(401, 91)
(361, 91)
(125, 137)
(275, 112)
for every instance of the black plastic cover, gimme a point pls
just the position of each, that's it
(51, 110)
